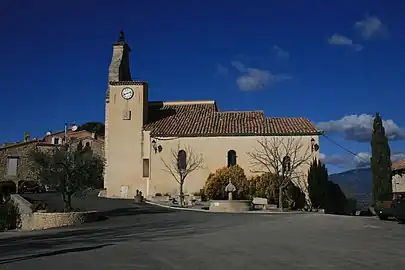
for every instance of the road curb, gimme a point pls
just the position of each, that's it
(243, 212)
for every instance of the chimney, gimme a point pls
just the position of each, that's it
(26, 137)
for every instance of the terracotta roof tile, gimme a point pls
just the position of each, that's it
(204, 119)
(398, 165)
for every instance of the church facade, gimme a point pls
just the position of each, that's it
(142, 137)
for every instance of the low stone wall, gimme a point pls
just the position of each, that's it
(230, 206)
(25, 210)
(30, 220)
(40, 220)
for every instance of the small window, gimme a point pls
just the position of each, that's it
(286, 164)
(231, 158)
(56, 140)
(182, 160)
(146, 167)
(12, 163)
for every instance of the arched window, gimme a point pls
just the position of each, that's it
(182, 160)
(286, 164)
(231, 158)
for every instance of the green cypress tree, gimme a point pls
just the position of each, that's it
(380, 161)
(317, 184)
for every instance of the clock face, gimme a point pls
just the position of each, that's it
(127, 93)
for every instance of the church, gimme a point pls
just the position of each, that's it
(142, 137)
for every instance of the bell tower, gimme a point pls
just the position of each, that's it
(125, 116)
(119, 70)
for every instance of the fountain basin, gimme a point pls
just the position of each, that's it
(231, 206)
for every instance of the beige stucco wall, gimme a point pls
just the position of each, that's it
(214, 151)
(123, 173)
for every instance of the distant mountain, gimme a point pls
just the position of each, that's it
(355, 184)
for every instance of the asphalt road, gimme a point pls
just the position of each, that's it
(147, 237)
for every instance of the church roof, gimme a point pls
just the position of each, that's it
(398, 165)
(202, 118)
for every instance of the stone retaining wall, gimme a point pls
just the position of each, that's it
(232, 206)
(42, 220)
(24, 208)
(52, 220)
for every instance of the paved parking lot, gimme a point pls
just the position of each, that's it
(147, 237)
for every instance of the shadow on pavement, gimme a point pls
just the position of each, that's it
(52, 253)
(137, 209)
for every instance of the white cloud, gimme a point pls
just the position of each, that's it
(359, 128)
(362, 159)
(397, 155)
(340, 40)
(322, 156)
(222, 70)
(281, 54)
(370, 27)
(332, 159)
(238, 65)
(254, 78)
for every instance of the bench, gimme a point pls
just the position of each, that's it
(262, 202)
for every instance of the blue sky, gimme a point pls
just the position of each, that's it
(335, 63)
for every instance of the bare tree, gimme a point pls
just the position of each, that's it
(183, 161)
(282, 156)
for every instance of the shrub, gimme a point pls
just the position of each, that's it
(215, 184)
(261, 186)
(200, 194)
(7, 188)
(296, 197)
(9, 216)
(38, 205)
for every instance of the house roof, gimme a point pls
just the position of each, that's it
(21, 144)
(71, 133)
(202, 118)
(398, 165)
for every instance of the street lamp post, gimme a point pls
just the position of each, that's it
(73, 128)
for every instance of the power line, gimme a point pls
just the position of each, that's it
(347, 150)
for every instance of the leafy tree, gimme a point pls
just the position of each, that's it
(73, 172)
(380, 160)
(94, 127)
(182, 162)
(317, 184)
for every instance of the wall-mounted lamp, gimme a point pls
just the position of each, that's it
(156, 148)
(314, 146)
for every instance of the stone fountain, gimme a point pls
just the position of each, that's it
(230, 205)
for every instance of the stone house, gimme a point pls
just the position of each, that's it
(16, 166)
(142, 136)
(398, 176)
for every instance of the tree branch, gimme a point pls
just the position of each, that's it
(270, 153)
